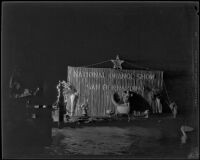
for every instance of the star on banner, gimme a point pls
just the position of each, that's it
(117, 63)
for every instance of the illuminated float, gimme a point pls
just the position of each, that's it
(98, 85)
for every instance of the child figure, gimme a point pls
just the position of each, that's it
(84, 108)
(67, 116)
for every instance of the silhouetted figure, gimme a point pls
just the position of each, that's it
(150, 98)
(61, 106)
(137, 103)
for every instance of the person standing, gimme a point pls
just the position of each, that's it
(150, 97)
(154, 104)
(159, 105)
(74, 100)
(173, 108)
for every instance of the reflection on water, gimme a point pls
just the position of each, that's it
(132, 140)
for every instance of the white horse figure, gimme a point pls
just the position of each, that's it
(185, 129)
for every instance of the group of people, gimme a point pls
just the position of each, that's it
(154, 99)
(16, 88)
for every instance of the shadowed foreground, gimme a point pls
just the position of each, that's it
(157, 137)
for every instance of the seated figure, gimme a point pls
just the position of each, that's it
(84, 108)
(122, 104)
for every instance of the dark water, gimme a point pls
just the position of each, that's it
(134, 141)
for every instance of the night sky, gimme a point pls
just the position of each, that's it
(44, 38)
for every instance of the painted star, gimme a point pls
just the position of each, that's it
(117, 63)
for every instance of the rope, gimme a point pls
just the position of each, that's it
(136, 65)
(111, 60)
(96, 63)
(166, 93)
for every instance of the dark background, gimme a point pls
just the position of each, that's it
(44, 38)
